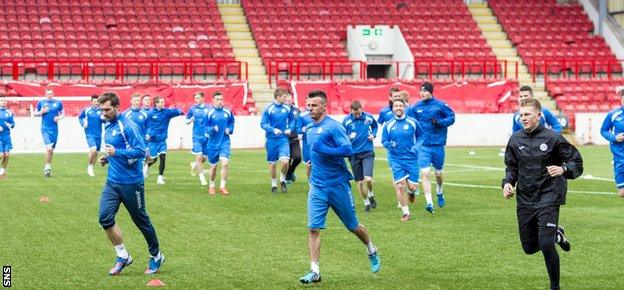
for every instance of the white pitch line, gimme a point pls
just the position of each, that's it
(591, 177)
(499, 188)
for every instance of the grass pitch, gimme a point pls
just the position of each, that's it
(255, 239)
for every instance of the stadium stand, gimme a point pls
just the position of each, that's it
(544, 29)
(97, 31)
(585, 95)
(442, 31)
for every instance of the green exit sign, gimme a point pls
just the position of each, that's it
(369, 32)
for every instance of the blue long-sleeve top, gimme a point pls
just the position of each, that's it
(223, 120)
(402, 138)
(158, 122)
(125, 165)
(613, 125)
(139, 117)
(329, 145)
(548, 119)
(6, 117)
(435, 117)
(93, 117)
(385, 115)
(358, 130)
(277, 116)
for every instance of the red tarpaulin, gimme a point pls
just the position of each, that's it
(180, 96)
(462, 97)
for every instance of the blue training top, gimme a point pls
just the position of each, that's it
(158, 122)
(358, 130)
(612, 125)
(55, 108)
(93, 117)
(329, 146)
(277, 116)
(435, 117)
(6, 117)
(402, 137)
(125, 166)
(548, 119)
(223, 119)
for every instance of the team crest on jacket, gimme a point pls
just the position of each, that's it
(405, 127)
(320, 129)
(283, 110)
(543, 146)
(114, 132)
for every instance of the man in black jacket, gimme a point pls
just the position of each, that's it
(295, 147)
(538, 162)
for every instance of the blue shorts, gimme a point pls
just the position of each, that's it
(431, 155)
(94, 142)
(277, 150)
(5, 144)
(214, 155)
(49, 137)
(200, 146)
(618, 172)
(339, 198)
(362, 165)
(157, 148)
(404, 169)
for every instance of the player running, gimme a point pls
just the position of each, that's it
(219, 124)
(7, 123)
(51, 112)
(278, 121)
(362, 128)
(91, 120)
(402, 137)
(196, 115)
(157, 133)
(329, 184)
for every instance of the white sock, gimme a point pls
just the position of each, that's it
(371, 249)
(439, 188)
(370, 193)
(202, 177)
(273, 182)
(405, 210)
(315, 267)
(48, 166)
(428, 198)
(90, 166)
(222, 185)
(366, 202)
(282, 177)
(212, 183)
(121, 251)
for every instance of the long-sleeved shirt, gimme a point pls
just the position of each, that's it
(198, 112)
(385, 115)
(358, 130)
(277, 116)
(219, 124)
(158, 122)
(434, 117)
(93, 118)
(139, 117)
(402, 137)
(125, 165)
(55, 108)
(613, 125)
(548, 119)
(7, 122)
(526, 157)
(329, 146)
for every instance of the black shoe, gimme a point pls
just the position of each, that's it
(283, 186)
(293, 177)
(274, 189)
(47, 173)
(563, 243)
(373, 202)
(367, 208)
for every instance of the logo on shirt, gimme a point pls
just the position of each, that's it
(418, 111)
(114, 133)
(320, 129)
(521, 147)
(405, 127)
(283, 110)
(226, 115)
(352, 135)
(140, 117)
(543, 147)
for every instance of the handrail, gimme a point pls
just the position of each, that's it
(572, 67)
(487, 67)
(87, 66)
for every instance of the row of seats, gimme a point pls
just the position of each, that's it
(585, 95)
(566, 35)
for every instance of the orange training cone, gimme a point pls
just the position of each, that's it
(155, 283)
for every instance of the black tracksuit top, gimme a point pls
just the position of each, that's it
(528, 154)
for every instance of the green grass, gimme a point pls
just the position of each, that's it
(255, 239)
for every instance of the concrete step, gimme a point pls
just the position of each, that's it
(485, 19)
(490, 27)
(243, 43)
(478, 5)
(233, 19)
(236, 26)
(240, 35)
